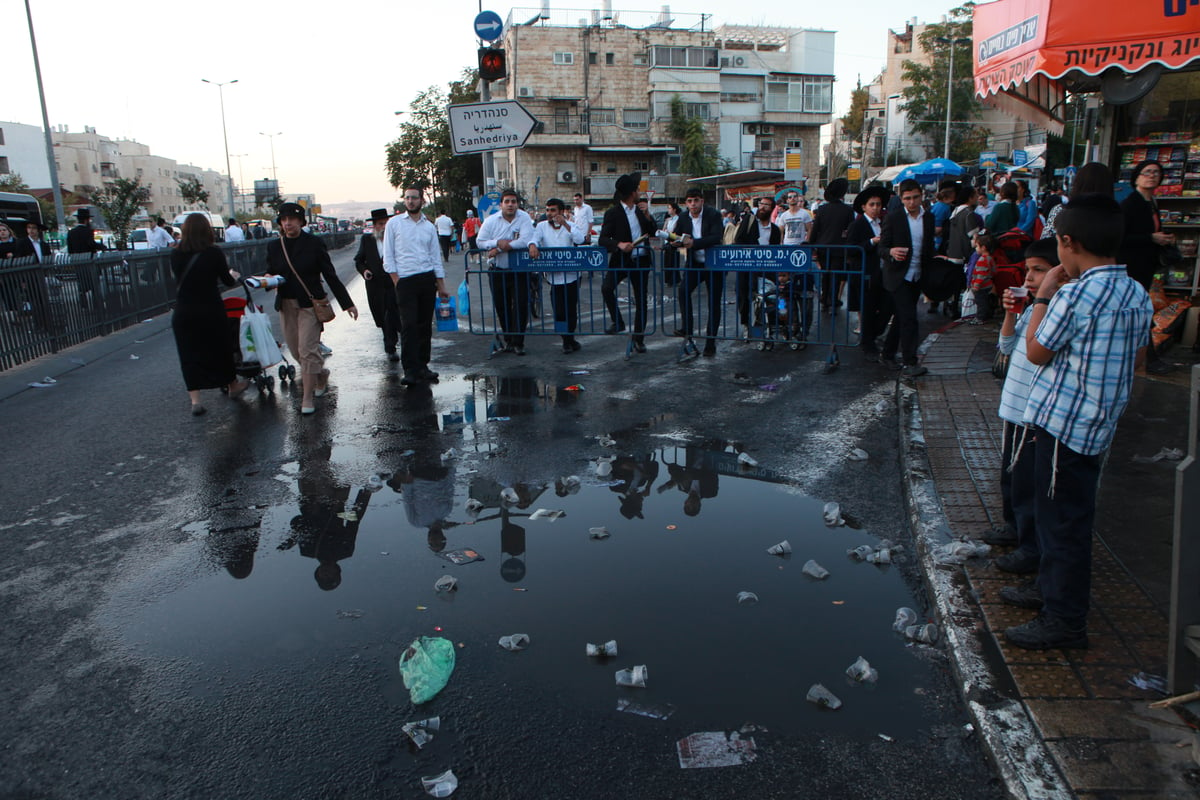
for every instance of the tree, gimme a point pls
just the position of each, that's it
(422, 156)
(119, 202)
(695, 156)
(925, 92)
(192, 190)
(856, 117)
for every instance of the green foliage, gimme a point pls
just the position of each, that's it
(13, 182)
(192, 190)
(855, 118)
(696, 157)
(119, 202)
(422, 157)
(925, 92)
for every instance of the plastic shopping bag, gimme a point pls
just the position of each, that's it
(464, 299)
(446, 315)
(256, 340)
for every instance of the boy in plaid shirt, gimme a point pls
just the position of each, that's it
(1086, 335)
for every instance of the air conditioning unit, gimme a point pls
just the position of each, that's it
(525, 91)
(738, 61)
(566, 176)
(765, 130)
(751, 129)
(880, 130)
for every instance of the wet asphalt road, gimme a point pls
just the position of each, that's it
(187, 615)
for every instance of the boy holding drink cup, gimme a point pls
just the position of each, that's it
(1016, 462)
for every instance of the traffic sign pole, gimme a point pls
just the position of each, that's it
(488, 27)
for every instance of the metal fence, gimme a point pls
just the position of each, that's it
(1184, 647)
(45, 308)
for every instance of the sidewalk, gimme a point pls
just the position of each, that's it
(1087, 730)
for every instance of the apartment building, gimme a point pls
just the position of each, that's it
(602, 89)
(89, 159)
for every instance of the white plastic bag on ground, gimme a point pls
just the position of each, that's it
(256, 340)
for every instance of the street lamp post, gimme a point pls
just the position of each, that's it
(950, 84)
(271, 136)
(241, 180)
(224, 134)
(51, 163)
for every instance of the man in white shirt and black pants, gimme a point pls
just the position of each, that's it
(411, 256)
(511, 229)
(445, 232)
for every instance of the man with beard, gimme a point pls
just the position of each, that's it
(511, 229)
(412, 257)
(381, 292)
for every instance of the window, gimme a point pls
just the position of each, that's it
(740, 97)
(610, 167)
(1, 135)
(766, 144)
(609, 59)
(641, 59)
(685, 57)
(564, 58)
(593, 166)
(592, 58)
(801, 93)
(793, 144)
(637, 119)
(3, 165)
(603, 116)
(641, 166)
(699, 110)
(705, 111)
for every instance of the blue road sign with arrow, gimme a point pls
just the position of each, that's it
(489, 26)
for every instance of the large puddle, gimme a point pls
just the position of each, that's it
(349, 567)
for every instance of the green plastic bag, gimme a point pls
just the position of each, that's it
(426, 666)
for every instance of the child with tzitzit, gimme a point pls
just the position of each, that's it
(983, 275)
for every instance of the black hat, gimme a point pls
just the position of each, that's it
(380, 214)
(837, 189)
(882, 192)
(292, 210)
(83, 214)
(628, 183)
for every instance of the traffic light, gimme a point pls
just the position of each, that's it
(493, 65)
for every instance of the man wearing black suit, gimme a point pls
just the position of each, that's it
(906, 249)
(381, 294)
(698, 230)
(80, 240)
(623, 224)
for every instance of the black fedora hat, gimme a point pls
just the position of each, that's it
(628, 183)
(292, 210)
(882, 192)
(379, 214)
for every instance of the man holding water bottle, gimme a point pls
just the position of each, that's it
(413, 257)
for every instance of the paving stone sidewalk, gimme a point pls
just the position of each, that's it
(1095, 723)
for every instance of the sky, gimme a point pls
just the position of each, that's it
(326, 77)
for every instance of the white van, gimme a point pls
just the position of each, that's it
(217, 222)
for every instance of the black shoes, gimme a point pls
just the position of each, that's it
(1159, 367)
(613, 329)
(1045, 632)
(639, 347)
(710, 349)
(1004, 536)
(426, 374)
(393, 355)
(914, 371)
(518, 349)
(1024, 596)
(410, 379)
(571, 346)
(681, 333)
(1018, 562)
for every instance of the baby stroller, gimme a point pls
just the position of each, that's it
(235, 309)
(773, 314)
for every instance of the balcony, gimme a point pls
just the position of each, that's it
(763, 159)
(606, 185)
(560, 130)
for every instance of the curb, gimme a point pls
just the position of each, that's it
(1010, 737)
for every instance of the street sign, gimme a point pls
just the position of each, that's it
(489, 26)
(1070, 173)
(853, 174)
(776, 258)
(989, 160)
(489, 204)
(1020, 158)
(792, 169)
(478, 127)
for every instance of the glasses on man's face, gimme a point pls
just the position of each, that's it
(411, 197)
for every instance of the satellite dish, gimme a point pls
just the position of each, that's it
(1121, 88)
(1077, 81)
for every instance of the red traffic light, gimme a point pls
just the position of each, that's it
(493, 65)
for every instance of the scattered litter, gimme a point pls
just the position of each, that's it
(604, 440)
(953, 553)
(79, 361)
(880, 556)
(882, 406)
(574, 387)
(132, 357)
(474, 506)
(501, 419)
(747, 598)
(515, 642)
(815, 570)
(422, 608)
(509, 495)
(374, 483)
(426, 666)
(904, 617)
(408, 453)
(822, 697)
(461, 556)
(1151, 683)
(839, 602)
(745, 459)
(925, 634)
(440, 785)
(634, 676)
(579, 372)
(886, 738)
(769, 387)
(781, 549)
(833, 515)
(519, 589)
(570, 482)
(715, 749)
(861, 553)
(421, 731)
(546, 513)
(353, 613)
(1165, 454)
(672, 527)
(968, 728)
(656, 711)
(384, 553)
(858, 454)
(449, 455)
(598, 533)
(446, 583)
(44, 383)
(604, 466)
(349, 516)
(862, 671)
(605, 650)
(147, 321)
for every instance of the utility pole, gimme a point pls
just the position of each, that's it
(51, 162)
(228, 167)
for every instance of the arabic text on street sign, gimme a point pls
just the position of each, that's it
(488, 26)
(476, 127)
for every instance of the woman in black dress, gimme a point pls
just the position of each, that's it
(199, 322)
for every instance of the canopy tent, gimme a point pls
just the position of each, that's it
(888, 174)
(929, 171)
(1024, 48)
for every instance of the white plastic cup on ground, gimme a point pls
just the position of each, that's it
(634, 676)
